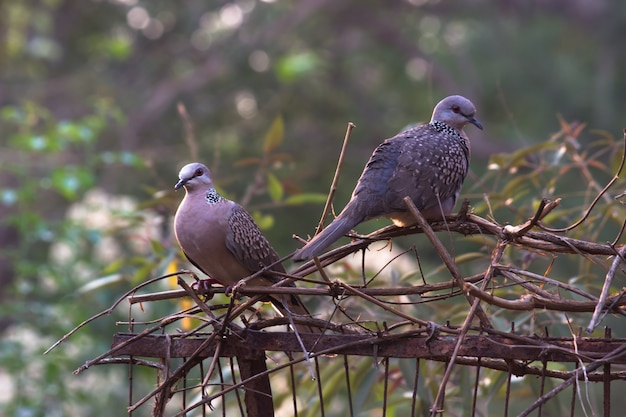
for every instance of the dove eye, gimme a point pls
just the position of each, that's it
(456, 109)
(197, 173)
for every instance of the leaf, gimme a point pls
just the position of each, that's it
(297, 65)
(516, 187)
(263, 221)
(469, 257)
(518, 158)
(274, 136)
(70, 180)
(142, 273)
(114, 266)
(100, 282)
(157, 246)
(68, 131)
(13, 114)
(274, 187)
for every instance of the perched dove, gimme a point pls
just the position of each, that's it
(222, 240)
(427, 163)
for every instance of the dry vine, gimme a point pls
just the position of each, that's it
(346, 332)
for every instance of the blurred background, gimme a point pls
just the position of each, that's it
(103, 101)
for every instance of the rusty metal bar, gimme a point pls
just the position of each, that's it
(606, 385)
(346, 369)
(251, 345)
(320, 391)
(476, 385)
(542, 387)
(233, 374)
(294, 392)
(385, 386)
(507, 396)
(415, 388)
(573, 401)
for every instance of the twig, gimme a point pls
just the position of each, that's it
(608, 280)
(446, 258)
(382, 305)
(89, 363)
(587, 369)
(545, 207)
(531, 302)
(320, 269)
(333, 185)
(180, 371)
(114, 306)
(250, 290)
(201, 305)
(474, 224)
(218, 345)
(370, 341)
(474, 310)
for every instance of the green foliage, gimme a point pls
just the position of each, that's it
(281, 192)
(56, 259)
(298, 65)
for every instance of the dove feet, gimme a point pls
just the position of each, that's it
(204, 286)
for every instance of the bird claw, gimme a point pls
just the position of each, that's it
(228, 290)
(433, 331)
(204, 287)
(233, 290)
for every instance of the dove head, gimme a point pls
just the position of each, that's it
(194, 176)
(456, 112)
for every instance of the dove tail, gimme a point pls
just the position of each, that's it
(339, 227)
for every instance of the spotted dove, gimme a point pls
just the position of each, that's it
(427, 163)
(222, 240)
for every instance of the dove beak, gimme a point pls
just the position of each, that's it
(475, 122)
(180, 184)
